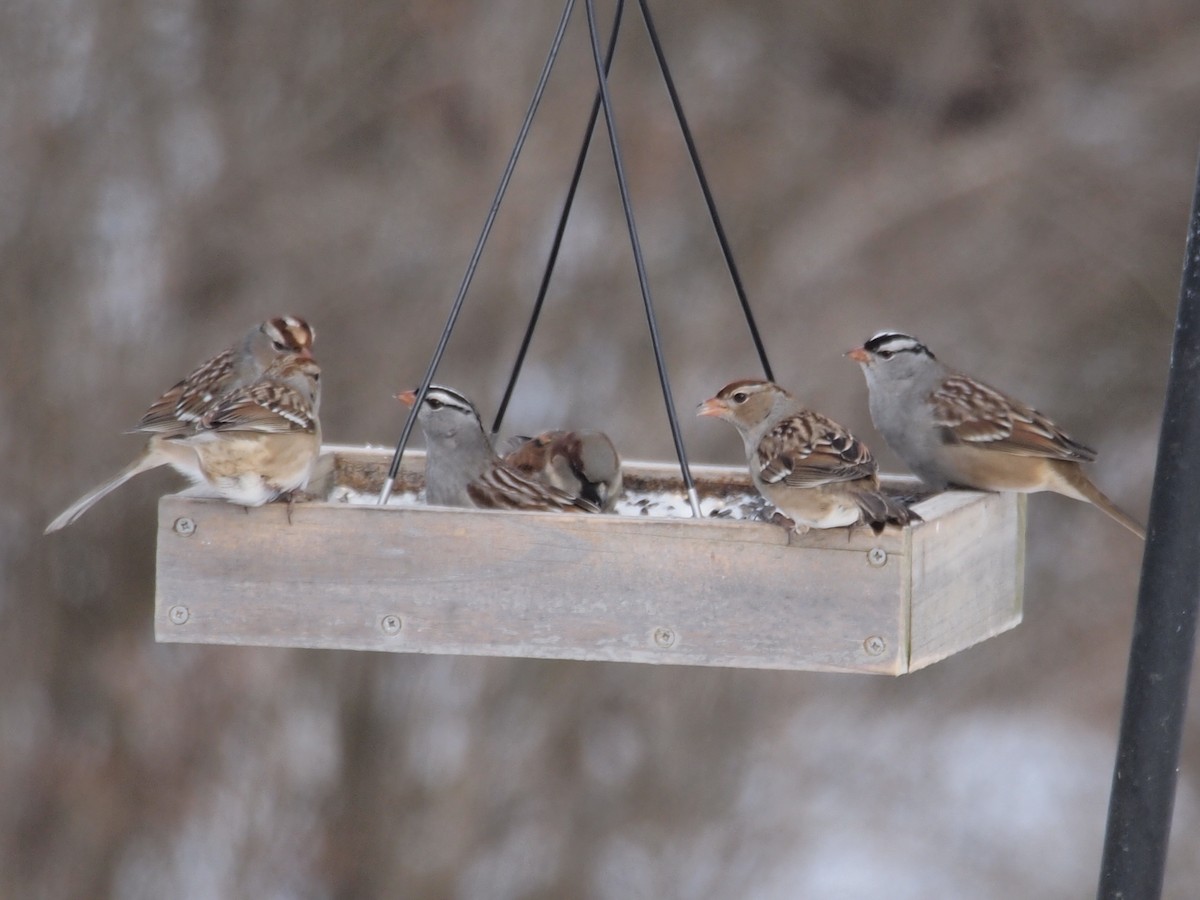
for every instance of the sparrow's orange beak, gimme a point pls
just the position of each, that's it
(305, 353)
(713, 406)
(408, 398)
(859, 355)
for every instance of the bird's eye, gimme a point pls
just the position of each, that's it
(886, 354)
(434, 403)
(316, 376)
(740, 397)
(279, 345)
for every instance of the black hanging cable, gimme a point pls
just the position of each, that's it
(1164, 629)
(394, 469)
(552, 261)
(704, 189)
(639, 262)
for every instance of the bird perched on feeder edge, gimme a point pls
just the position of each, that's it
(811, 468)
(953, 430)
(262, 441)
(179, 410)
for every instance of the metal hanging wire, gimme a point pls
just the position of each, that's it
(394, 469)
(694, 156)
(560, 230)
(602, 101)
(640, 263)
(726, 251)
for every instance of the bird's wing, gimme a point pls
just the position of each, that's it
(504, 487)
(183, 406)
(266, 406)
(973, 413)
(811, 450)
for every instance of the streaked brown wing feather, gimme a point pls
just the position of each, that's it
(973, 413)
(503, 487)
(808, 451)
(185, 404)
(265, 406)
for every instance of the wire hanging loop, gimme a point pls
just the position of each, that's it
(560, 231)
(394, 469)
(639, 262)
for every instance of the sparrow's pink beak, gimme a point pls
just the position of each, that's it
(713, 406)
(408, 398)
(859, 355)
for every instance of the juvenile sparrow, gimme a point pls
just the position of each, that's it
(462, 468)
(178, 411)
(262, 441)
(811, 468)
(581, 463)
(952, 430)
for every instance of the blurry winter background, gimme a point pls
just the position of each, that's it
(1008, 180)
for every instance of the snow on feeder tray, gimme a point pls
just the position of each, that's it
(649, 585)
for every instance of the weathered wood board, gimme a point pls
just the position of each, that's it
(624, 588)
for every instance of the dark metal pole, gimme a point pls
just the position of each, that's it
(1164, 630)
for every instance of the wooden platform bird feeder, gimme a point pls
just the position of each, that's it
(368, 568)
(626, 588)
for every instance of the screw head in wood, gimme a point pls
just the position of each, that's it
(664, 637)
(185, 526)
(390, 624)
(874, 645)
(178, 615)
(877, 557)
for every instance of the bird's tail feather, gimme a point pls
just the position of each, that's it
(1076, 484)
(145, 461)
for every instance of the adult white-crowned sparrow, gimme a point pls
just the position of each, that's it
(581, 463)
(462, 468)
(262, 441)
(811, 468)
(179, 410)
(952, 430)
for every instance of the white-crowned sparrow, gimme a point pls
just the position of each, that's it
(814, 471)
(952, 430)
(580, 463)
(462, 468)
(178, 411)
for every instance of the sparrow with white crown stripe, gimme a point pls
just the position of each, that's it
(953, 430)
(462, 468)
